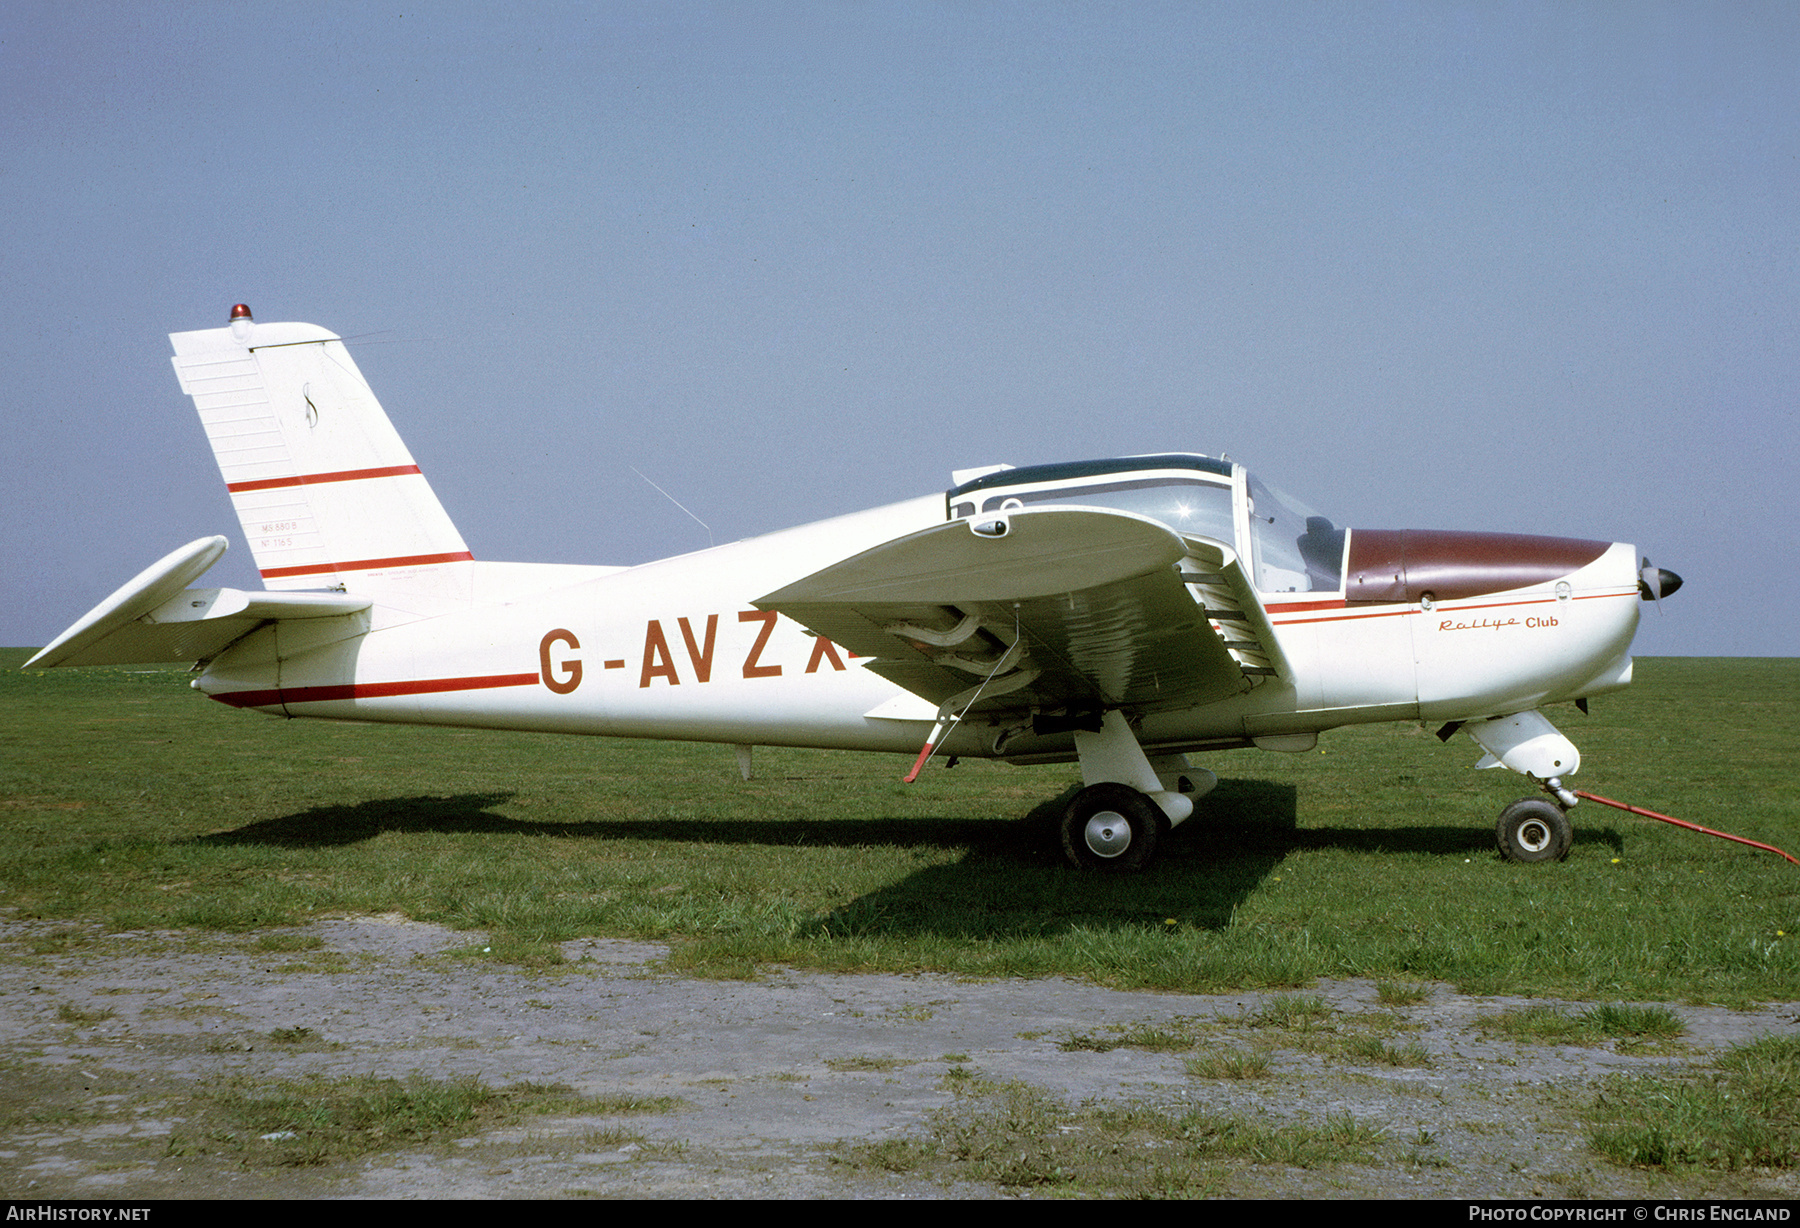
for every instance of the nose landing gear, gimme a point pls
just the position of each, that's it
(1533, 828)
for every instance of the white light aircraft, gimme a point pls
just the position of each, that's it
(1117, 613)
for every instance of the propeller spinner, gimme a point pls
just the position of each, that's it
(1655, 583)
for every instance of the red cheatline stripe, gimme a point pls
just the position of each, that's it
(314, 479)
(1342, 618)
(410, 560)
(1441, 609)
(1351, 614)
(370, 690)
(1295, 607)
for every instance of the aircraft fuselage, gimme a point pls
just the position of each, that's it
(678, 649)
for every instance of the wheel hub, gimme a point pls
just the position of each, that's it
(1534, 836)
(1108, 834)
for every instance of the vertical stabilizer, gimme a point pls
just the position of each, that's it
(327, 493)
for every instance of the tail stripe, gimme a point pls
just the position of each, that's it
(409, 560)
(315, 479)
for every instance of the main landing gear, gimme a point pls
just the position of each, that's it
(1130, 802)
(1110, 826)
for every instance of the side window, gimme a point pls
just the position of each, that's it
(1196, 507)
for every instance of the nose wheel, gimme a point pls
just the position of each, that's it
(1534, 829)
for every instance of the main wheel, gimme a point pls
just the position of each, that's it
(1534, 829)
(1111, 827)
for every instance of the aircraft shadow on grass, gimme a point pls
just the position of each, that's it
(1010, 870)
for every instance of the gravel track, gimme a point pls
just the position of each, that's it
(104, 1039)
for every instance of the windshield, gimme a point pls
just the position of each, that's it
(1295, 550)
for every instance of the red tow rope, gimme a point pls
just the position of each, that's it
(1651, 814)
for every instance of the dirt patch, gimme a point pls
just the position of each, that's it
(115, 1051)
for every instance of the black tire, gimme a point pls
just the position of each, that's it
(1534, 829)
(1111, 827)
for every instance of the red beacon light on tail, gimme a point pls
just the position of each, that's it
(241, 322)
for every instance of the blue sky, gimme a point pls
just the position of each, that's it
(1515, 267)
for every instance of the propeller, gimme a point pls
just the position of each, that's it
(1655, 583)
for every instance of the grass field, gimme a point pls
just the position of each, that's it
(127, 798)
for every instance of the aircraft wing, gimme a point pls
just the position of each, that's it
(1071, 610)
(152, 618)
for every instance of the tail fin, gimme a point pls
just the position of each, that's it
(327, 493)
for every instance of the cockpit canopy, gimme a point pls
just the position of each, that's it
(1291, 548)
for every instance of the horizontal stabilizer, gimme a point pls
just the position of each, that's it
(154, 618)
